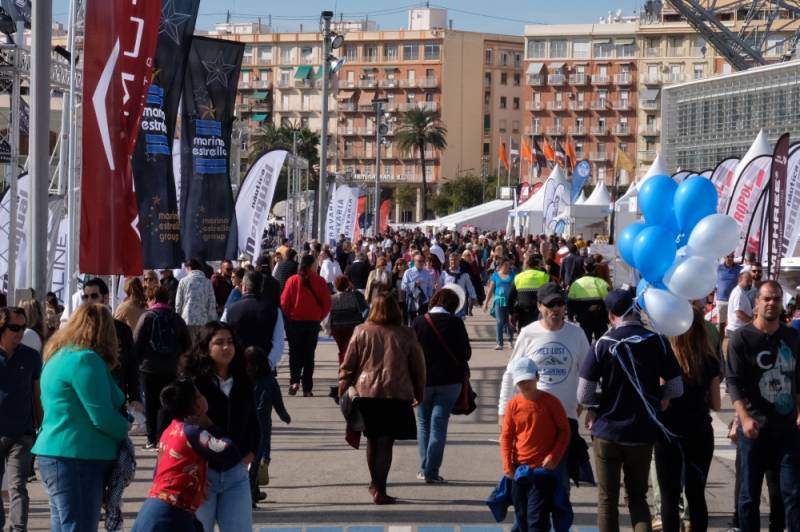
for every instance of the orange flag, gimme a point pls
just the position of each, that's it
(549, 153)
(504, 156)
(571, 154)
(527, 154)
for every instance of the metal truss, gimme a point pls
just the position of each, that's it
(745, 32)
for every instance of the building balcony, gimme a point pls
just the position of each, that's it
(555, 106)
(388, 83)
(347, 107)
(367, 83)
(578, 106)
(556, 131)
(428, 83)
(577, 79)
(697, 51)
(255, 84)
(621, 105)
(352, 154)
(600, 131)
(599, 157)
(651, 79)
(623, 79)
(406, 106)
(647, 156)
(621, 130)
(578, 131)
(534, 130)
(648, 105)
(650, 130)
(534, 106)
(556, 79)
(306, 84)
(284, 83)
(348, 131)
(652, 52)
(600, 105)
(535, 79)
(675, 52)
(347, 84)
(601, 80)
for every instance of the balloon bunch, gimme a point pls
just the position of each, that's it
(677, 249)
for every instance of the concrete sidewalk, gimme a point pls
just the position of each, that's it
(318, 480)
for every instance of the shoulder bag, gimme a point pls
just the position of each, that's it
(467, 399)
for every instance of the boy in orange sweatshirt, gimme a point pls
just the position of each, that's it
(535, 433)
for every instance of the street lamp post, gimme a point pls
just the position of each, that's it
(323, 170)
(380, 129)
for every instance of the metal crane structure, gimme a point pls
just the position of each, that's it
(744, 32)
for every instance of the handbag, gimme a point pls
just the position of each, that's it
(467, 399)
(350, 411)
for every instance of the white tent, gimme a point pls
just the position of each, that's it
(491, 215)
(599, 196)
(581, 199)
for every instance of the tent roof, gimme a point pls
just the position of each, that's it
(581, 199)
(599, 196)
(472, 213)
(536, 202)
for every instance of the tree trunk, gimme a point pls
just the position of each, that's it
(424, 183)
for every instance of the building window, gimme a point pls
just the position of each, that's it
(504, 59)
(699, 71)
(431, 51)
(558, 48)
(370, 54)
(601, 170)
(487, 98)
(581, 49)
(676, 72)
(503, 78)
(515, 103)
(308, 55)
(390, 52)
(603, 49)
(245, 76)
(247, 59)
(503, 103)
(579, 149)
(517, 79)
(410, 52)
(286, 56)
(517, 60)
(486, 148)
(351, 53)
(626, 50)
(487, 122)
(536, 49)
(285, 76)
(502, 126)
(304, 122)
(487, 79)
(265, 54)
(515, 126)
(487, 56)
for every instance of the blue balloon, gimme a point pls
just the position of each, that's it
(695, 199)
(656, 197)
(625, 242)
(654, 252)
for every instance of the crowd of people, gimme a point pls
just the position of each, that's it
(195, 355)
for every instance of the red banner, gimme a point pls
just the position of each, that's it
(362, 208)
(386, 208)
(120, 45)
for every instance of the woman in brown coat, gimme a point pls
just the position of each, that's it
(385, 364)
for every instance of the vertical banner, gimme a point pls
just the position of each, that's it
(744, 200)
(775, 208)
(342, 212)
(255, 201)
(17, 240)
(118, 59)
(208, 225)
(156, 196)
(386, 208)
(360, 216)
(722, 177)
(58, 270)
(583, 170)
(555, 194)
(791, 206)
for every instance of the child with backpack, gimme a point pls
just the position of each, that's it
(180, 482)
(268, 396)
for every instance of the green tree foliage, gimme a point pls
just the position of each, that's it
(420, 128)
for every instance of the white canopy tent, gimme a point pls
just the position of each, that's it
(599, 196)
(491, 215)
(581, 199)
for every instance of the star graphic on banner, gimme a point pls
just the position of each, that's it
(208, 110)
(156, 201)
(218, 71)
(171, 21)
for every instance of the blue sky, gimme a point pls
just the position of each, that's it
(502, 16)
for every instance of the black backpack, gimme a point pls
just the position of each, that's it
(163, 337)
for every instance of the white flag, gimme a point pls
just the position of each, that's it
(255, 199)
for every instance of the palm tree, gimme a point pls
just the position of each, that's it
(419, 128)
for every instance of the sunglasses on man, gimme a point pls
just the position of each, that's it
(553, 304)
(15, 327)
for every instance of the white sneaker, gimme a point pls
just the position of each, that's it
(420, 475)
(498, 347)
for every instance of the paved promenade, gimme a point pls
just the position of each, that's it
(320, 483)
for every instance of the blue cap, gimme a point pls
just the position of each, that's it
(524, 369)
(619, 302)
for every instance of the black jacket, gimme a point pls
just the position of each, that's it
(158, 363)
(234, 415)
(571, 268)
(358, 273)
(253, 320)
(286, 268)
(171, 284)
(126, 374)
(441, 366)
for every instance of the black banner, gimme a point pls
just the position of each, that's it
(776, 210)
(208, 216)
(153, 176)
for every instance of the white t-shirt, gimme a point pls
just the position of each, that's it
(558, 354)
(738, 300)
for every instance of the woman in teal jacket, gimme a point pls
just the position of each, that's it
(83, 422)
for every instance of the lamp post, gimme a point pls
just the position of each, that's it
(380, 130)
(323, 170)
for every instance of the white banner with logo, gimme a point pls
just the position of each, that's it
(21, 261)
(791, 224)
(722, 177)
(342, 211)
(744, 201)
(255, 200)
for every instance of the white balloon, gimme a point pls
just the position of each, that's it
(669, 314)
(714, 236)
(692, 277)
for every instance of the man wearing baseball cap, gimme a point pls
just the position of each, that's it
(628, 363)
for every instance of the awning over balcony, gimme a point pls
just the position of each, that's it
(258, 95)
(554, 67)
(601, 41)
(623, 41)
(303, 72)
(259, 117)
(365, 98)
(650, 94)
(346, 95)
(534, 68)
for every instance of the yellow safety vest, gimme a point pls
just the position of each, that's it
(588, 287)
(531, 280)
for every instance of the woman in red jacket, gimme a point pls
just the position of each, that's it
(305, 302)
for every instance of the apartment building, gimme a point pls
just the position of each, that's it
(472, 81)
(582, 84)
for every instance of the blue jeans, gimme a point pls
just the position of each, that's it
(158, 516)
(75, 491)
(433, 414)
(778, 451)
(533, 503)
(503, 324)
(228, 503)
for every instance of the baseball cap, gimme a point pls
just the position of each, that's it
(524, 369)
(619, 302)
(550, 293)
